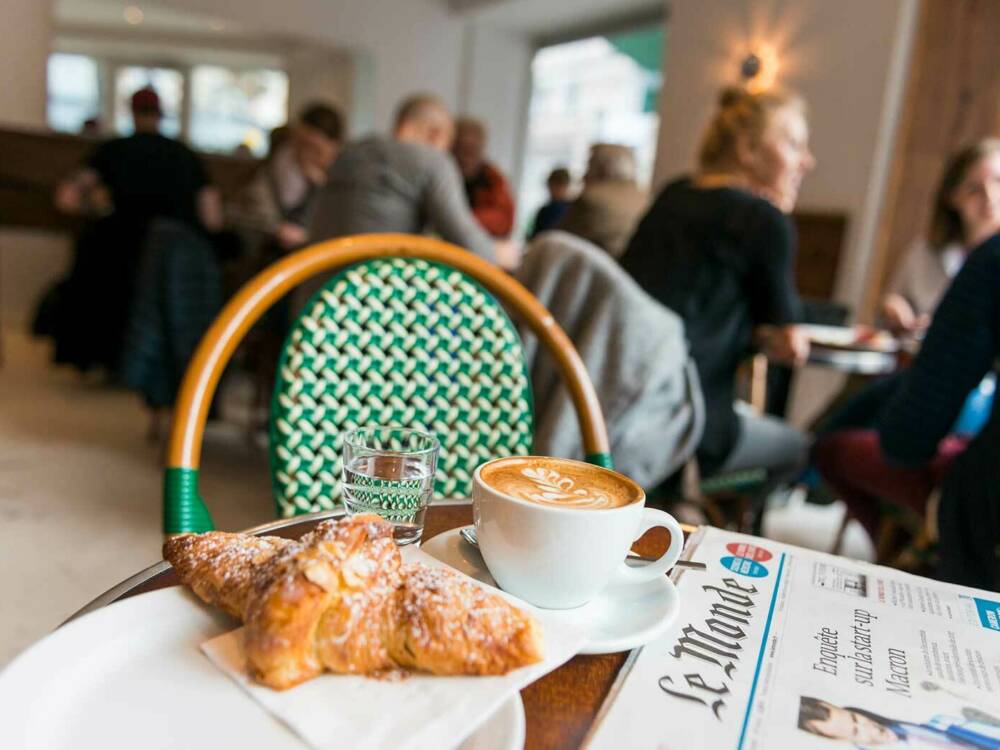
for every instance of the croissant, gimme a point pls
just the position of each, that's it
(341, 599)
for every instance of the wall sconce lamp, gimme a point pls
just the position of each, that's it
(759, 69)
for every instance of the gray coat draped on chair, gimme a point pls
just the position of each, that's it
(634, 350)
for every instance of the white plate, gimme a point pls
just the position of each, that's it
(131, 675)
(620, 618)
(858, 338)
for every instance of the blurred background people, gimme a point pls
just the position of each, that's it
(966, 211)
(486, 189)
(551, 213)
(850, 453)
(718, 249)
(406, 182)
(127, 182)
(91, 127)
(271, 216)
(911, 450)
(611, 203)
(275, 207)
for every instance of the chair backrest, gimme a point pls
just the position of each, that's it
(403, 342)
(184, 509)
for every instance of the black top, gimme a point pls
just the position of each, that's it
(548, 216)
(150, 175)
(961, 346)
(722, 259)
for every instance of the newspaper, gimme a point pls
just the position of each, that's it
(781, 647)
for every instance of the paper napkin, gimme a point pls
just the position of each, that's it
(421, 711)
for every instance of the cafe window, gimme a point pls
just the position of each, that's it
(598, 89)
(74, 94)
(230, 108)
(169, 85)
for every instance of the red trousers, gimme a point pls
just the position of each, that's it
(853, 465)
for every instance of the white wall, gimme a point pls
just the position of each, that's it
(404, 47)
(316, 72)
(847, 58)
(414, 45)
(496, 87)
(24, 41)
(29, 261)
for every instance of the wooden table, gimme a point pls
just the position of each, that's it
(560, 707)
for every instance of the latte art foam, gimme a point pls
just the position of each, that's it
(560, 483)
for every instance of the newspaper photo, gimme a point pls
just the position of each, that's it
(781, 647)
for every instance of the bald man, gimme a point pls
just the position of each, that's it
(403, 183)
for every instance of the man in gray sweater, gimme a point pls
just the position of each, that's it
(403, 183)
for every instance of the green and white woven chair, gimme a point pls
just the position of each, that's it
(408, 333)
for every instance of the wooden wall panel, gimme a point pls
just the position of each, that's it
(952, 99)
(33, 162)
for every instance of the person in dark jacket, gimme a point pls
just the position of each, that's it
(962, 345)
(551, 213)
(718, 249)
(128, 182)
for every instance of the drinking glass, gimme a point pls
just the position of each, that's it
(390, 471)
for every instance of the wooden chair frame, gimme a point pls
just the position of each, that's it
(183, 508)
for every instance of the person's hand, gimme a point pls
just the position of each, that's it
(787, 344)
(291, 235)
(508, 254)
(900, 317)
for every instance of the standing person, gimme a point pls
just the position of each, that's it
(718, 249)
(129, 182)
(611, 203)
(552, 212)
(405, 182)
(486, 189)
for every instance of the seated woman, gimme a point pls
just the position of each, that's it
(961, 220)
(963, 216)
(718, 249)
(848, 454)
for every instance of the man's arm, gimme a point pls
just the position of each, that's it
(83, 193)
(209, 205)
(449, 214)
(958, 351)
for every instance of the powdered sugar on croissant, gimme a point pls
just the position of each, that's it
(341, 599)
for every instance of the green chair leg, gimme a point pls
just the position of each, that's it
(183, 509)
(601, 459)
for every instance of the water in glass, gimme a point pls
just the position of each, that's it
(398, 488)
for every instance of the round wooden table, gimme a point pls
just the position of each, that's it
(560, 708)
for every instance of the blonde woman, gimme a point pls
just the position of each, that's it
(718, 249)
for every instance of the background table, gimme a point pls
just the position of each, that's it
(560, 708)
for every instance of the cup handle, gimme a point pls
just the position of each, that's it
(651, 518)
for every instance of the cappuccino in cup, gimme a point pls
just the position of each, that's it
(559, 483)
(555, 532)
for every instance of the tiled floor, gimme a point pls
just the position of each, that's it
(80, 491)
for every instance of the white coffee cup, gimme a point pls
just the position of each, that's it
(559, 555)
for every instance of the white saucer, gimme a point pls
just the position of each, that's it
(622, 617)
